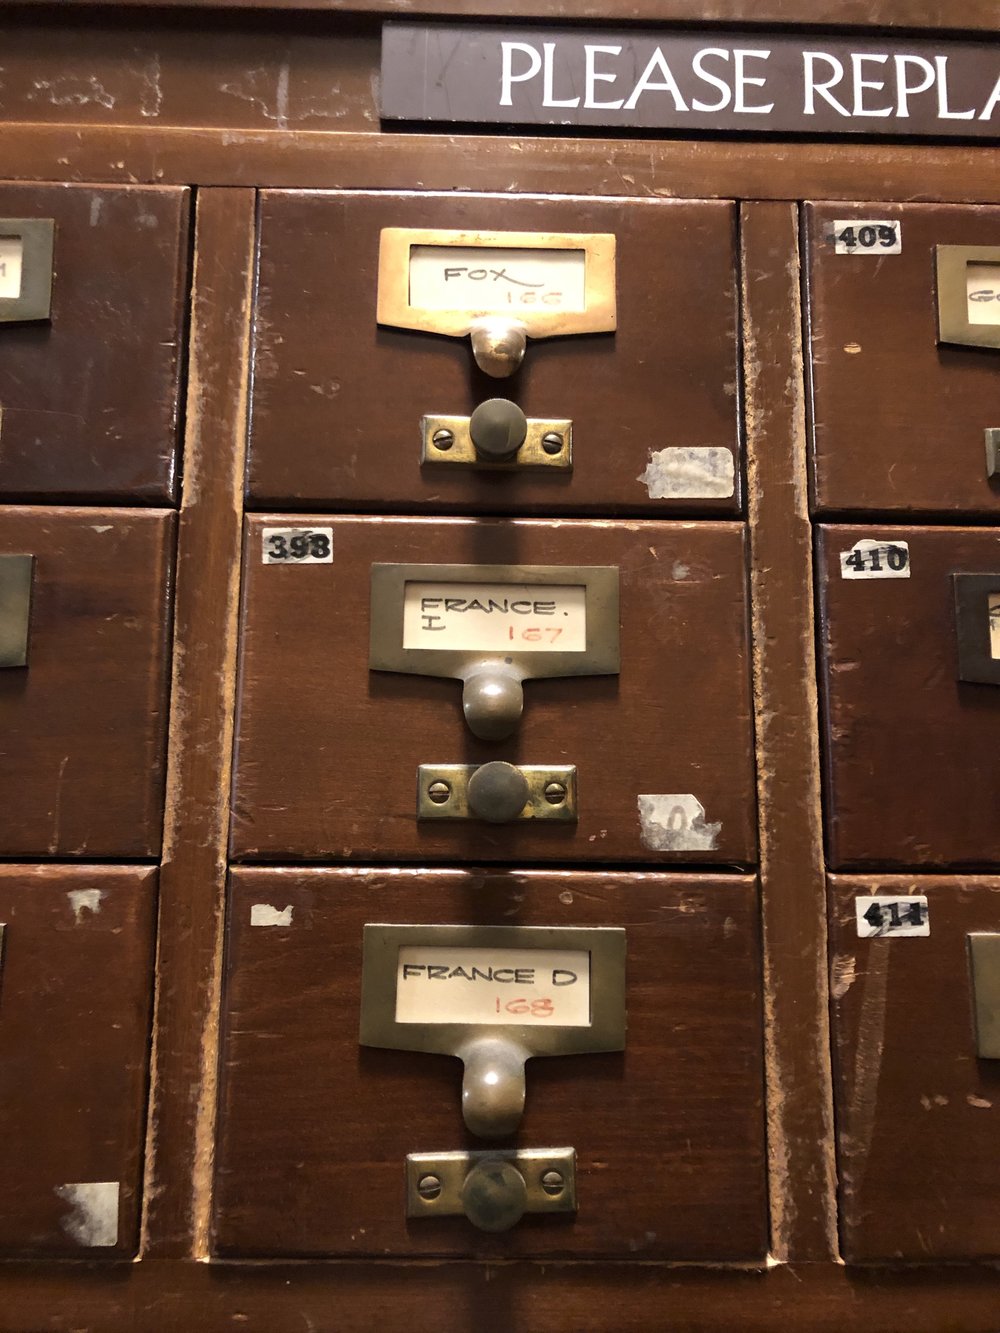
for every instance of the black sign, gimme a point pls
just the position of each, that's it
(744, 82)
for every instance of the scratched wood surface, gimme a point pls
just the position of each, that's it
(356, 391)
(909, 749)
(83, 725)
(314, 1132)
(90, 397)
(898, 419)
(917, 1111)
(327, 751)
(74, 1042)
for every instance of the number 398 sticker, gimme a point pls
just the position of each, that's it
(858, 236)
(297, 546)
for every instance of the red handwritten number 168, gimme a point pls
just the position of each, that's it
(536, 1008)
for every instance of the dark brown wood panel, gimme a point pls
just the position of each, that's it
(328, 751)
(898, 419)
(793, 884)
(90, 397)
(75, 994)
(83, 725)
(917, 1112)
(196, 825)
(337, 400)
(669, 1134)
(909, 749)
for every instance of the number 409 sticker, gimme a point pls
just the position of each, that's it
(858, 236)
(297, 546)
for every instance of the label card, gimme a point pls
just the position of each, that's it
(857, 236)
(993, 607)
(496, 281)
(982, 293)
(494, 617)
(436, 984)
(11, 260)
(892, 916)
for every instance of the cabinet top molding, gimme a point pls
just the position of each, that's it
(710, 80)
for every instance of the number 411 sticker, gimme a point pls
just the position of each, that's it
(892, 916)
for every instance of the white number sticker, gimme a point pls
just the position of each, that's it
(892, 916)
(874, 559)
(297, 546)
(857, 236)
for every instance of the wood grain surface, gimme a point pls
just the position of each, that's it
(917, 1112)
(356, 391)
(90, 398)
(909, 749)
(669, 1134)
(327, 751)
(75, 996)
(898, 419)
(83, 725)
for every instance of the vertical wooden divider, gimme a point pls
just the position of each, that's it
(793, 890)
(179, 1150)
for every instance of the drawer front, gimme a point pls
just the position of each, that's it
(898, 414)
(83, 723)
(76, 982)
(338, 399)
(917, 1111)
(90, 396)
(314, 1131)
(909, 745)
(328, 750)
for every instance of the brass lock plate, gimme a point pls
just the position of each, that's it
(26, 246)
(977, 621)
(984, 964)
(547, 444)
(434, 1181)
(443, 792)
(15, 608)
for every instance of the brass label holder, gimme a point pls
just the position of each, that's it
(492, 697)
(494, 1053)
(16, 576)
(26, 251)
(495, 302)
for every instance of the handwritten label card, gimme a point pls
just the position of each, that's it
(11, 257)
(491, 280)
(982, 293)
(496, 617)
(437, 984)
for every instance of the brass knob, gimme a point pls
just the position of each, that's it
(497, 792)
(498, 428)
(494, 1195)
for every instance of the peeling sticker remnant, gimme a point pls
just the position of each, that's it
(85, 900)
(676, 824)
(94, 1219)
(690, 472)
(263, 914)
